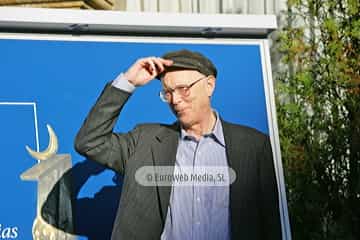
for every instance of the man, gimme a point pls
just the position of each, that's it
(247, 209)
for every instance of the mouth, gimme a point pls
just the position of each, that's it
(180, 111)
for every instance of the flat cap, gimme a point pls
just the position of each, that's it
(185, 59)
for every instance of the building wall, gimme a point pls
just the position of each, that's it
(203, 6)
(181, 6)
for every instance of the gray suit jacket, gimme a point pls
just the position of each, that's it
(142, 210)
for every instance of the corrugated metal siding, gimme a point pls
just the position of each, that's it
(203, 6)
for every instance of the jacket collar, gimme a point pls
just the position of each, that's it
(164, 150)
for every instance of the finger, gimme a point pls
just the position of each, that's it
(166, 62)
(160, 66)
(148, 64)
(152, 67)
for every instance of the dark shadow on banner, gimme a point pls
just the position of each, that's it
(89, 217)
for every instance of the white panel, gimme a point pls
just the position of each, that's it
(280, 5)
(227, 6)
(239, 6)
(246, 6)
(133, 5)
(207, 6)
(256, 7)
(269, 7)
(186, 6)
(151, 5)
(168, 6)
(120, 5)
(234, 6)
(195, 6)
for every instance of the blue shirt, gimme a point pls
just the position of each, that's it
(199, 212)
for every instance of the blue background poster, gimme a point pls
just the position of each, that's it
(64, 78)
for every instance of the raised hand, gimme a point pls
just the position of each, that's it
(146, 69)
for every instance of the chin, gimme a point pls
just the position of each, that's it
(186, 121)
(183, 120)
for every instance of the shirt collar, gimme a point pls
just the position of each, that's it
(217, 132)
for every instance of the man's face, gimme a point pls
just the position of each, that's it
(192, 108)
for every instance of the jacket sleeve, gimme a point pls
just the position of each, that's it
(96, 139)
(270, 214)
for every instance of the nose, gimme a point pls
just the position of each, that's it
(175, 98)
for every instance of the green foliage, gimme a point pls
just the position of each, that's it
(318, 104)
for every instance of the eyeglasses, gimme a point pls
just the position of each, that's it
(181, 90)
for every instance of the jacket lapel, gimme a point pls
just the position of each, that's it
(237, 151)
(230, 142)
(237, 155)
(164, 150)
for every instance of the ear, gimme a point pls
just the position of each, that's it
(210, 85)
